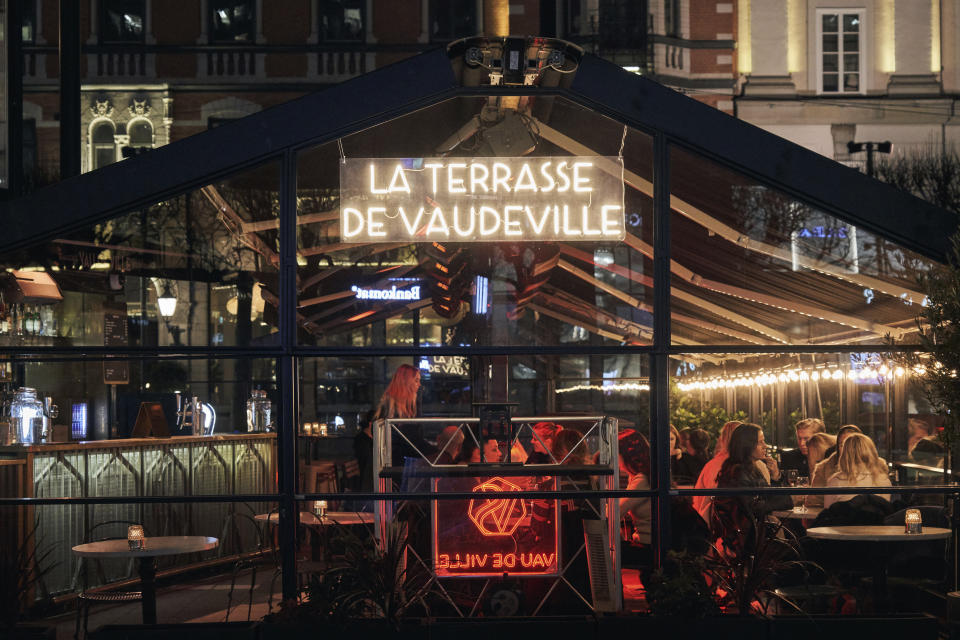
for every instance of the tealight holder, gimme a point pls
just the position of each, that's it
(913, 522)
(307, 428)
(323, 429)
(135, 537)
(320, 508)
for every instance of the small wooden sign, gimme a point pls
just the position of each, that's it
(151, 422)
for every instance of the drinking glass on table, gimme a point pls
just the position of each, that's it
(790, 476)
(801, 501)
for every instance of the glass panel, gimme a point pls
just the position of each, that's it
(98, 428)
(851, 22)
(829, 22)
(198, 269)
(342, 20)
(870, 390)
(771, 269)
(518, 289)
(50, 532)
(121, 21)
(232, 21)
(851, 82)
(830, 62)
(451, 19)
(851, 43)
(829, 42)
(830, 82)
(851, 62)
(341, 391)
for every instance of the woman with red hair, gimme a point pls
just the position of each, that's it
(400, 398)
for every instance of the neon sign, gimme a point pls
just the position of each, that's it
(497, 516)
(413, 293)
(492, 536)
(481, 199)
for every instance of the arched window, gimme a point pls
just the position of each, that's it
(104, 145)
(141, 134)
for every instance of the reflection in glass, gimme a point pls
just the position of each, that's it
(753, 265)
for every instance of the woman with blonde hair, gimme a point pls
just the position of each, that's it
(859, 466)
(817, 447)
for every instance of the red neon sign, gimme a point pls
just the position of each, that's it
(490, 536)
(495, 516)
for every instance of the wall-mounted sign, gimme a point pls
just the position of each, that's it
(363, 293)
(492, 536)
(571, 198)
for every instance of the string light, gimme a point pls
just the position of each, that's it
(621, 386)
(767, 378)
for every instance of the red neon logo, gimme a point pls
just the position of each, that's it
(497, 517)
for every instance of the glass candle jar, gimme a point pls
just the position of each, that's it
(913, 522)
(135, 537)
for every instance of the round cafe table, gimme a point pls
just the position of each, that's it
(146, 557)
(810, 513)
(880, 536)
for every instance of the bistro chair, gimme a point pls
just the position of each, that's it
(100, 594)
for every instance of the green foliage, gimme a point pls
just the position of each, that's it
(679, 588)
(939, 335)
(745, 580)
(685, 412)
(364, 579)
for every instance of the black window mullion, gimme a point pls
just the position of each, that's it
(660, 361)
(288, 379)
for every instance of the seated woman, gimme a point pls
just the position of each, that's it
(635, 463)
(817, 447)
(470, 451)
(859, 466)
(544, 435)
(747, 465)
(708, 475)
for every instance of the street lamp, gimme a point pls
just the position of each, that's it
(870, 147)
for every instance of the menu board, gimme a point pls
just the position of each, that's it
(115, 335)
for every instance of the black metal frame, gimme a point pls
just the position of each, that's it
(279, 133)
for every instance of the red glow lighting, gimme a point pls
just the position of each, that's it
(360, 316)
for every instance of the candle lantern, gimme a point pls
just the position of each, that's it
(913, 523)
(323, 429)
(320, 508)
(135, 537)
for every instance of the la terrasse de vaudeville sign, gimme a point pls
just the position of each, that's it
(569, 198)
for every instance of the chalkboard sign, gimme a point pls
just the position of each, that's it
(115, 335)
(151, 421)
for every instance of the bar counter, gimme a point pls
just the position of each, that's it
(176, 466)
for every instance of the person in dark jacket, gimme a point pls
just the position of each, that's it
(797, 458)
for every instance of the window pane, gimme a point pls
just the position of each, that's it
(342, 20)
(851, 82)
(29, 19)
(103, 156)
(121, 21)
(830, 62)
(141, 133)
(451, 19)
(829, 22)
(830, 82)
(197, 269)
(447, 293)
(851, 43)
(851, 62)
(869, 390)
(806, 277)
(232, 21)
(851, 22)
(829, 42)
